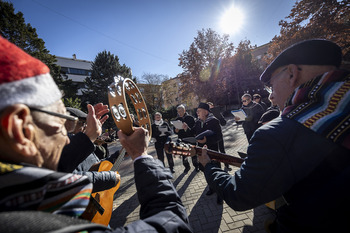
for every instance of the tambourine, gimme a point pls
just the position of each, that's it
(117, 92)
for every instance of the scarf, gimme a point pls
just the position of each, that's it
(323, 105)
(31, 188)
(159, 122)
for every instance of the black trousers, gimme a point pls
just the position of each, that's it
(187, 164)
(160, 154)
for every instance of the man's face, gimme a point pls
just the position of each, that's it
(51, 135)
(157, 117)
(246, 100)
(257, 99)
(281, 88)
(181, 112)
(202, 114)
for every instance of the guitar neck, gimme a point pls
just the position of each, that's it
(221, 157)
(119, 160)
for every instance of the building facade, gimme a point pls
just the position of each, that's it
(75, 69)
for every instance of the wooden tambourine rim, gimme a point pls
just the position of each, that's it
(120, 110)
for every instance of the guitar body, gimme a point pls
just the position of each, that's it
(105, 198)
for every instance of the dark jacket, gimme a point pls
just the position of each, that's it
(157, 134)
(283, 160)
(253, 112)
(189, 120)
(211, 123)
(75, 152)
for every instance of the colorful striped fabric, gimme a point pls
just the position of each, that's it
(323, 105)
(25, 187)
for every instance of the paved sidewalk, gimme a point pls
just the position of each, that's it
(204, 213)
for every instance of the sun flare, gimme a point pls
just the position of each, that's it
(232, 20)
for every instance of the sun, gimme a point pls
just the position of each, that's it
(232, 20)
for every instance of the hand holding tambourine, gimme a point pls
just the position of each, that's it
(117, 92)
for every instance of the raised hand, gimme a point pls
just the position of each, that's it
(94, 121)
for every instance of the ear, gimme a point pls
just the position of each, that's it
(18, 130)
(294, 75)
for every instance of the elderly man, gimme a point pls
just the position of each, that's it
(302, 157)
(208, 132)
(34, 131)
(188, 121)
(253, 111)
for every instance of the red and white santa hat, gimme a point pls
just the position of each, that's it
(24, 79)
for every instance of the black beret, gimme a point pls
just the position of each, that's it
(77, 113)
(308, 52)
(204, 106)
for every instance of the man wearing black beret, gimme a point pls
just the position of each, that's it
(301, 158)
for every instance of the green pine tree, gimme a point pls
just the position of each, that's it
(104, 68)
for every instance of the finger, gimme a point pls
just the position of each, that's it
(101, 112)
(91, 110)
(97, 106)
(103, 120)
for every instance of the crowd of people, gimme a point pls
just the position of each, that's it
(47, 150)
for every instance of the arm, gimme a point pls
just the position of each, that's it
(222, 120)
(216, 128)
(75, 152)
(101, 180)
(161, 207)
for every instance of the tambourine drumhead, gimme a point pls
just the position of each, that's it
(117, 92)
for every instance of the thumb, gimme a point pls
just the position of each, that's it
(91, 110)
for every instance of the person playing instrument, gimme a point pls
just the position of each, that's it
(161, 132)
(208, 123)
(182, 133)
(300, 158)
(33, 133)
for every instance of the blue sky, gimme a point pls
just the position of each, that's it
(146, 35)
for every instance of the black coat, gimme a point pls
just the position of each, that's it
(213, 124)
(156, 133)
(189, 120)
(253, 111)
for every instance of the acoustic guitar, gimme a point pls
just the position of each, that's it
(183, 149)
(180, 148)
(100, 207)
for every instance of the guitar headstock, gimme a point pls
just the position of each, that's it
(179, 148)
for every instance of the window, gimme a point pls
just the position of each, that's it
(68, 70)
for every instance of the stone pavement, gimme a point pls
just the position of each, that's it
(204, 213)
